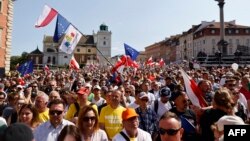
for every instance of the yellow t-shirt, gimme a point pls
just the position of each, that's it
(112, 120)
(72, 110)
(44, 116)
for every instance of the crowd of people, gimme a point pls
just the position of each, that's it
(93, 104)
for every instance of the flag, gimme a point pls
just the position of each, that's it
(70, 40)
(193, 92)
(61, 26)
(120, 62)
(46, 68)
(26, 68)
(46, 17)
(150, 61)
(131, 52)
(73, 63)
(161, 62)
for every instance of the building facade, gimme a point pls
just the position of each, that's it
(6, 23)
(202, 40)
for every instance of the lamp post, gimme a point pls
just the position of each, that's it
(237, 55)
(185, 50)
(218, 54)
(222, 44)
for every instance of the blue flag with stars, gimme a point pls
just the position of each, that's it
(61, 26)
(131, 52)
(26, 68)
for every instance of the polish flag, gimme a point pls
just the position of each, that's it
(46, 17)
(192, 90)
(46, 68)
(73, 64)
(150, 61)
(161, 62)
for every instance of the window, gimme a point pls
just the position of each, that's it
(65, 56)
(213, 31)
(1, 31)
(237, 31)
(89, 50)
(204, 41)
(104, 43)
(104, 37)
(213, 41)
(247, 31)
(230, 50)
(49, 60)
(247, 42)
(78, 50)
(237, 41)
(229, 31)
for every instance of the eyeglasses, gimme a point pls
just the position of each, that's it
(89, 118)
(127, 92)
(55, 112)
(170, 132)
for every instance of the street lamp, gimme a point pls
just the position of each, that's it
(218, 54)
(237, 54)
(222, 44)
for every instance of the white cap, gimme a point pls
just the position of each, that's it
(97, 87)
(142, 95)
(228, 120)
(88, 85)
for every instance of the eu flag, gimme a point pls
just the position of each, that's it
(131, 52)
(61, 26)
(26, 68)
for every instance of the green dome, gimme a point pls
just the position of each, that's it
(103, 27)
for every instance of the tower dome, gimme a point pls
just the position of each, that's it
(103, 27)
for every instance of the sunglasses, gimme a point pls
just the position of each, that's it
(89, 118)
(55, 112)
(170, 132)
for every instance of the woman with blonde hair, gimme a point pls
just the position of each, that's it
(28, 114)
(88, 125)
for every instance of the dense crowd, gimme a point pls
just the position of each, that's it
(150, 103)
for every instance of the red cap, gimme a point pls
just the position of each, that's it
(83, 90)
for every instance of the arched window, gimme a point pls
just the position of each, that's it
(48, 60)
(54, 60)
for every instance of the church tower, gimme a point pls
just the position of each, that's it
(102, 40)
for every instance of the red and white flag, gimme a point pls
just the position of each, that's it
(192, 90)
(73, 64)
(161, 62)
(46, 17)
(46, 68)
(150, 61)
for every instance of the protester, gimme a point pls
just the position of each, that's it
(111, 116)
(69, 133)
(18, 131)
(88, 125)
(131, 130)
(28, 114)
(49, 131)
(170, 127)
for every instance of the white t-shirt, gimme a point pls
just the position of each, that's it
(141, 136)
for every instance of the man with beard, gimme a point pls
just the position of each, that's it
(50, 130)
(131, 131)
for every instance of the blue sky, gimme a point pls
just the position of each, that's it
(138, 23)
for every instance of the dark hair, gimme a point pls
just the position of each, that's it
(168, 115)
(56, 101)
(82, 114)
(69, 130)
(35, 119)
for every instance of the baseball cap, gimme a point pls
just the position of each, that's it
(129, 113)
(165, 91)
(83, 90)
(228, 120)
(88, 85)
(142, 95)
(19, 86)
(97, 87)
